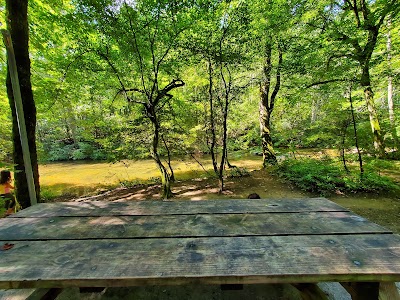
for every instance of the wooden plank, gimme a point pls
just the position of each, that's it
(132, 208)
(238, 260)
(185, 226)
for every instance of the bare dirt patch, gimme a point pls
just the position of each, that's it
(266, 185)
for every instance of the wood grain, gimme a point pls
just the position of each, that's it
(267, 224)
(183, 207)
(227, 260)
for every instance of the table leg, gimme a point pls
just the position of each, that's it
(372, 290)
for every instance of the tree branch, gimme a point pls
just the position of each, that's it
(325, 82)
(135, 45)
(107, 59)
(354, 8)
(164, 92)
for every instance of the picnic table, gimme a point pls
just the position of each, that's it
(131, 243)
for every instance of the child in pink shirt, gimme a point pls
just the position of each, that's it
(5, 191)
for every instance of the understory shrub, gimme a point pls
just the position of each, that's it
(326, 177)
(237, 172)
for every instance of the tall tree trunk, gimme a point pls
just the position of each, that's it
(224, 138)
(17, 16)
(212, 118)
(267, 103)
(373, 115)
(390, 87)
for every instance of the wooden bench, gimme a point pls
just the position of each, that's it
(115, 244)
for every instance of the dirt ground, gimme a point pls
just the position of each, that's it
(258, 181)
(381, 209)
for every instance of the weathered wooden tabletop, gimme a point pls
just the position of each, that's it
(177, 242)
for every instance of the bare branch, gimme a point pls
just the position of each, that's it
(164, 92)
(107, 59)
(354, 8)
(137, 50)
(325, 82)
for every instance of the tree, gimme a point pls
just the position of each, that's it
(221, 49)
(275, 32)
(135, 43)
(17, 16)
(352, 29)
(267, 101)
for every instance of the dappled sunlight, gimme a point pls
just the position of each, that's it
(108, 221)
(88, 174)
(82, 178)
(199, 192)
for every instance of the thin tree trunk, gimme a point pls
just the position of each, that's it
(224, 146)
(17, 16)
(355, 132)
(212, 119)
(172, 177)
(227, 90)
(342, 150)
(390, 87)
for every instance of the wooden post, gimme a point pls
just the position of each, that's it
(362, 290)
(12, 65)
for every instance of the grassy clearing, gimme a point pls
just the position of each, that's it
(83, 178)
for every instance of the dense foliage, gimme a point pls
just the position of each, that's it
(327, 177)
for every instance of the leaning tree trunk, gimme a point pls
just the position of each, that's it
(172, 176)
(17, 16)
(165, 176)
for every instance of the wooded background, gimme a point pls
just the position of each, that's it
(134, 79)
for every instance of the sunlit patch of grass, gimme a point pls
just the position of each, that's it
(74, 179)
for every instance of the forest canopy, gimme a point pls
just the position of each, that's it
(134, 79)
